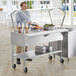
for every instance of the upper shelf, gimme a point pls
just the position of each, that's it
(46, 32)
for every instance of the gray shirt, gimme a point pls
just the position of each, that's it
(21, 18)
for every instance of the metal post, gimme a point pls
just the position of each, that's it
(24, 64)
(61, 51)
(71, 12)
(12, 54)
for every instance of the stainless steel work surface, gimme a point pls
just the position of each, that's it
(35, 38)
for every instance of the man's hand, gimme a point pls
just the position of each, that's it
(29, 23)
(19, 29)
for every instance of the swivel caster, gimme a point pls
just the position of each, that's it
(50, 57)
(14, 66)
(25, 70)
(62, 60)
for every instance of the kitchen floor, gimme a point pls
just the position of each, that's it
(40, 66)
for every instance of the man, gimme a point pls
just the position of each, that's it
(22, 16)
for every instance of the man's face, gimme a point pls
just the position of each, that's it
(24, 7)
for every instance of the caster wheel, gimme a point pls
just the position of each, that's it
(25, 69)
(62, 61)
(14, 66)
(50, 57)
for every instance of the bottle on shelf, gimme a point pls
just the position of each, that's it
(19, 29)
(26, 28)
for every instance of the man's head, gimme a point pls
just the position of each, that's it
(23, 6)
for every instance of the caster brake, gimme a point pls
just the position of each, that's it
(62, 60)
(25, 70)
(14, 66)
(50, 57)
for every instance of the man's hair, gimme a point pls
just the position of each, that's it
(22, 3)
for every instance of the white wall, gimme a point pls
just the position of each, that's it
(10, 7)
(56, 3)
(37, 15)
